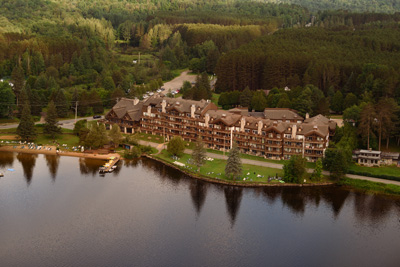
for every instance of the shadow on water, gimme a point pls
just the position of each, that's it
(28, 162)
(52, 162)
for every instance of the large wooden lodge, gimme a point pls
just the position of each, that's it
(275, 133)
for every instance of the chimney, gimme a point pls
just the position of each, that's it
(242, 124)
(260, 125)
(163, 105)
(192, 110)
(135, 101)
(149, 110)
(206, 119)
(307, 115)
(294, 130)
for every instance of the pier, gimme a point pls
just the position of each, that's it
(110, 165)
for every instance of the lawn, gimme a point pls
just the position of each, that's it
(215, 98)
(371, 187)
(150, 138)
(216, 168)
(384, 170)
(68, 139)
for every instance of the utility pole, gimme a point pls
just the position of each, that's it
(76, 110)
(139, 57)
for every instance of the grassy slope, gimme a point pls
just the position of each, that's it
(371, 187)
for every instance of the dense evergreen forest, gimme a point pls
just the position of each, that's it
(315, 56)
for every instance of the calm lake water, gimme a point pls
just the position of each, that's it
(61, 212)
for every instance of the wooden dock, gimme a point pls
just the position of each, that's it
(109, 166)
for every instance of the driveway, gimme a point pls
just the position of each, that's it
(68, 124)
(177, 83)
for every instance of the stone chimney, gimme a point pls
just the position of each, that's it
(307, 115)
(135, 101)
(294, 130)
(163, 105)
(149, 110)
(242, 124)
(206, 119)
(260, 125)
(192, 110)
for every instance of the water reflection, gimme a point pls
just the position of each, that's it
(28, 162)
(233, 197)
(198, 192)
(6, 159)
(89, 166)
(52, 162)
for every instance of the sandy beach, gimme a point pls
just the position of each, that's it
(53, 151)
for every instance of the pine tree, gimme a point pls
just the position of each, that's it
(26, 128)
(245, 97)
(198, 154)
(50, 127)
(62, 104)
(233, 168)
(367, 121)
(18, 78)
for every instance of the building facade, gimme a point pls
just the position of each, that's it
(274, 133)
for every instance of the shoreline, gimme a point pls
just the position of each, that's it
(54, 152)
(234, 183)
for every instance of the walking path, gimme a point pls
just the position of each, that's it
(159, 147)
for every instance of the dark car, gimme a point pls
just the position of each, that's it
(97, 117)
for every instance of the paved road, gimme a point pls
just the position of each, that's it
(68, 124)
(177, 83)
(159, 147)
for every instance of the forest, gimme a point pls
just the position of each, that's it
(318, 57)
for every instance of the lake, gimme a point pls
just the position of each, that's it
(58, 211)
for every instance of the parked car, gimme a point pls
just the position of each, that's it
(162, 89)
(158, 91)
(97, 117)
(145, 96)
(151, 93)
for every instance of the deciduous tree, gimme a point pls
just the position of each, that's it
(176, 146)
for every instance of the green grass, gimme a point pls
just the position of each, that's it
(68, 139)
(216, 168)
(336, 116)
(9, 120)
(371, 187)
(215, 98)
(150, 138)
(383, 170)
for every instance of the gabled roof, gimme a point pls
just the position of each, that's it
(321, 120)
(226, 117)
(281, 114)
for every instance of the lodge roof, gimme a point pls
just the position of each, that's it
(282, 114)
(321, 120)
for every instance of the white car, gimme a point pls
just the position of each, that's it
(158, 91)
(151, 93)
(145, 96)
